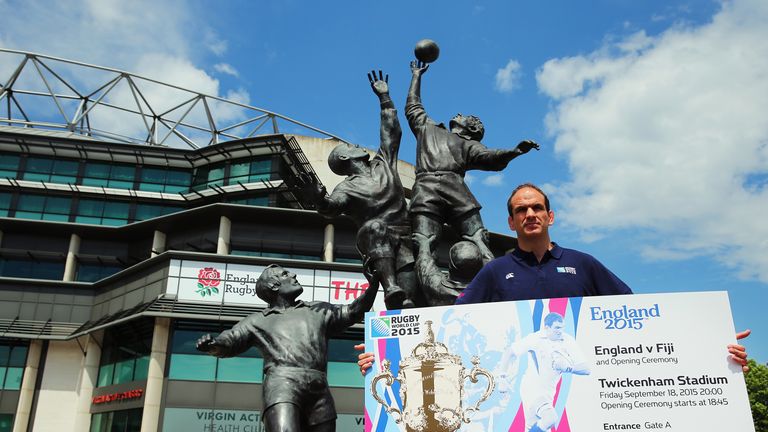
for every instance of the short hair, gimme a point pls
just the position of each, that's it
(266, 285)
(338, 165)
(473, 126)
(510, 210)
(552, 318)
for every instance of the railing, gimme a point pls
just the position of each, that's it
(44, 92)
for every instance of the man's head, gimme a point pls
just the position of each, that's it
(465, 260)
(276, 282)
(553, 326)
(529, 213)
(468, 127)
(342, 155)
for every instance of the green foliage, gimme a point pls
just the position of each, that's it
(757, 386)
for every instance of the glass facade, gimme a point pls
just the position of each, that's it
(31, 268)
(53, 208)
(125, 353)
(117, 421)
(236, 172)
(13, 358)
(101, 212)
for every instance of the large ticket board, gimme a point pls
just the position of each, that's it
(637, 362)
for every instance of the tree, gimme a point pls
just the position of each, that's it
(757, 386)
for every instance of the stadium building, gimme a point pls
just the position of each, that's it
(136, 216)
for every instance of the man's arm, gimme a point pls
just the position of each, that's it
(414, 110)
(480, 157)
(332, 205)
(390, 130)
(229, 343)
(364, 302)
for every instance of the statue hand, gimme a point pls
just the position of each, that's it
(379, 85)
(311, 186)
(418, 68)
(371, 274)
(422, 240)
(208, 344)
(526, 145)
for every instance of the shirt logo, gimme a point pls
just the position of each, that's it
(569, 270)
(510, 275)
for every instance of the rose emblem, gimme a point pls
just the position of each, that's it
(208, 281)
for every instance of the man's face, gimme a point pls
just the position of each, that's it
(356, 152)
(555, 331)
(530, 218)
(289, 286)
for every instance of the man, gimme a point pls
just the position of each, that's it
(442, 158)
(539, 268)
(551, 354)
(293, 339)
(372, 195)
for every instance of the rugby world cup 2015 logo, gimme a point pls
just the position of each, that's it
(380, 327)
(208, 280)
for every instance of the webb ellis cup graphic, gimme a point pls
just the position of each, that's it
(432, 387)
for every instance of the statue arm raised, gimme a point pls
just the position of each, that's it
(414, 110)
(390, 130)
(363, 303)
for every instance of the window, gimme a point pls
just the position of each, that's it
(164, 180)
(92, 272)
(149, 211)
(125, 353)
(208, 176)
(13, 358)
(9, 164)
(5, 203)
(43, 207)
(51, 170)
(250, 171)
(268, 254)
(109, 175)
(31, 268)
(117, 421)
(262, 201)
(102, 212)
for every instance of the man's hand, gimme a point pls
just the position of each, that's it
(525, 146)
(422, 241)
(418, 68)
(371, 274)
(739, 352)
(364, 360)
(560, 363)
(379, 85)
(208, 344)
(309, 185)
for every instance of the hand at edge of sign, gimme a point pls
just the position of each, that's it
(739, 352)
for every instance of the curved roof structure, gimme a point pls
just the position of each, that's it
(44, 92)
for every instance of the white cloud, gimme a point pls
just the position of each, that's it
(161, 45)
(469, 178)
(508, 77)
(666, 134)
(226, 68)
(494, 180)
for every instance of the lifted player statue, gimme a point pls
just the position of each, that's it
(293, 339)
(372, 195)
(443, 156)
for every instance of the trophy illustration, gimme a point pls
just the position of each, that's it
(432, 387)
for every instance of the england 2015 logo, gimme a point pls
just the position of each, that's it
(380, 327)
(624, 317)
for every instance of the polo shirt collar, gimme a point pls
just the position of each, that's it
(556, 252)
(271, 310)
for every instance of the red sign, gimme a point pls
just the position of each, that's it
(130, 394)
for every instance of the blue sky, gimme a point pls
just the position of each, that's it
(650, 114)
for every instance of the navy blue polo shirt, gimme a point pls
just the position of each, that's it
(561, 273)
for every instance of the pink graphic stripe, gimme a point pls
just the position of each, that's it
(559, 305)
(518, 425)
(564, 426)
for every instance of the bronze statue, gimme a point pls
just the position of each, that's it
(372, 195)
(443, 156)
(293, 339)
(439, 289)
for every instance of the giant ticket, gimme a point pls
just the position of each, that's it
(613, 363)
